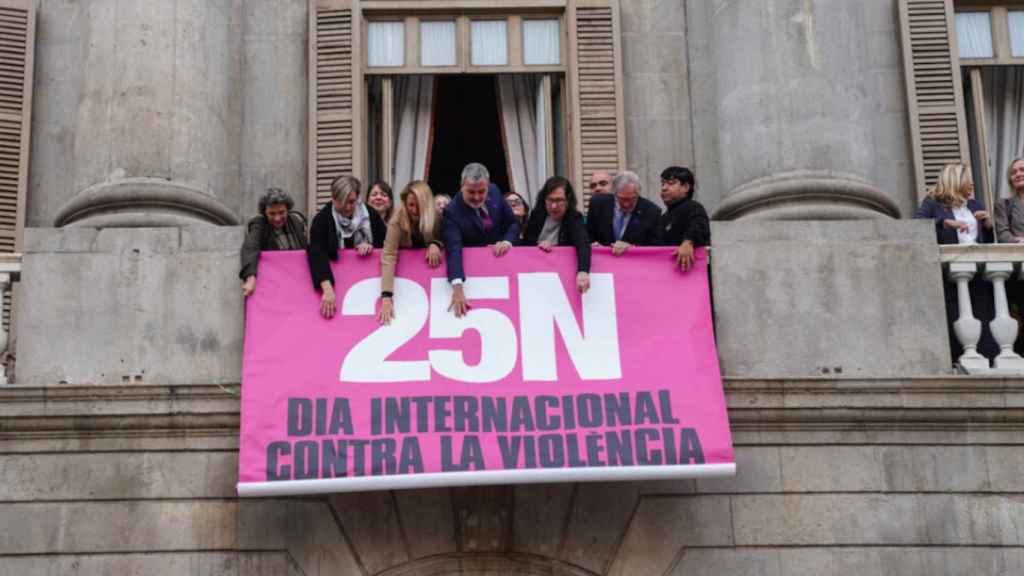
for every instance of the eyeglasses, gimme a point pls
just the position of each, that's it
(602, 183)
(513, 201)
(554, 201)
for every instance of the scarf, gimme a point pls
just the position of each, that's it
(357, 227)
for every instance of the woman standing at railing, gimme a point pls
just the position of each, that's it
(960, 219)
(416, 223)
(1010, 211)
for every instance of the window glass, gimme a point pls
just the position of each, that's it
(974, 34)
(386, 44)
(489, 43)
(1015, 19)
(541, 42)
(437, 43)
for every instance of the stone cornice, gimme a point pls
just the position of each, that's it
(792, 404)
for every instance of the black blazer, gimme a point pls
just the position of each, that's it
(684, 220)
(323, 242)
(462, 227)
(931, 209)
(572, 232)
(642, 229)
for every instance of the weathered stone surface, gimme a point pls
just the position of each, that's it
(427, 521)
(153, 564)
(144, 305)
(662, 526)
(837, 298)
(758, 470)
(483, 517)
(597, 523)
(371, 524)
(540, 515)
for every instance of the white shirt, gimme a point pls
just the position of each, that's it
(964, 214)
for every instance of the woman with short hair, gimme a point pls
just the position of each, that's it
(1010, 211)
(556, 222)
(277, 227)
(380, 198)
(416, 223)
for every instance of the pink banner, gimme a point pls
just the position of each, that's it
(536, 384)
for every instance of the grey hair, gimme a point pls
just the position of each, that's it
(342, 186)
(626, 177)
(475, 172)
(275, 196)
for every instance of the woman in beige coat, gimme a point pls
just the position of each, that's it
(415, 223)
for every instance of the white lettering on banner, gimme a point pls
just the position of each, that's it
(367, 361)
(543, 305)
(543, 308)
(498, 342)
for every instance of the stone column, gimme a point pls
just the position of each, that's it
(156, 139)
(794, 116)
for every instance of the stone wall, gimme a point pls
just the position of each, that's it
(882, 476)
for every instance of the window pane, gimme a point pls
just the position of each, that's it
(974, 34)
(1016, 21)
(437, 43)
(490, 43)
(386, 44)
(541, 42)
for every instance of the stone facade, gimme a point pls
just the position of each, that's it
(857, 451)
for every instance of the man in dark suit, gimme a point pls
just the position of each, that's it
(344, 222)
(623, 219)
(477, 216)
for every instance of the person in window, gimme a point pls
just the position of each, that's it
(378, 197)
(959, 219)
(416, 223)
(441, 201)
(556, 222)
(685, 222)
(343, 222)
(601, 182)
(277, 227)
(520, 208)
(477, 216)
(623, 218)
(1010, 211)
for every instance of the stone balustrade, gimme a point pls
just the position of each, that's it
(997, 263)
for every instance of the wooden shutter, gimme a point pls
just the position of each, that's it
(333, 121)
(17, 48)
(596, 89)
(934, 88)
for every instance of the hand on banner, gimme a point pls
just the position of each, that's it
(582, 282)
(620, 247)
(544, 245)
(502, 248)
(459, 306)
(364, 249)
(328, 303)
(433, 256)
(249, 286)
(387, 311)
(684, 255)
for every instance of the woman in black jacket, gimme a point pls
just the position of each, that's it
(556, 222)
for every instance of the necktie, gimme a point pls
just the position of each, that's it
(486, 219)
(617, 224)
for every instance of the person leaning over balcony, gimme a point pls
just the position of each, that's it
(959, 219)
(343, 222)
(477, 216)
(380, 198)
(624, 218)
(1010, 211)
(416, 223)
(520, 208)
(277, 227)
(556, 222)
(685, 222)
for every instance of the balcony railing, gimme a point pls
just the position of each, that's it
(10, 271)
(998, 263)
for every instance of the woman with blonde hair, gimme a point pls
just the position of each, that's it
(415, 223)
(1010, 211)
(960, 219)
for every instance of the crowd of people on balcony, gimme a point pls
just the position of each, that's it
(477, 215)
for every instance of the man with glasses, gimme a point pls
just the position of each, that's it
(623, 219)
(600, 182)
(685, 222)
